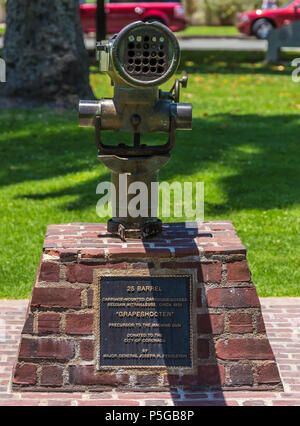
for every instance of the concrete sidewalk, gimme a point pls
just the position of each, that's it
(205, 43)
(208, 44)
(247, 44)
(282, 317)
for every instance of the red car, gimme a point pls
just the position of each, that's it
(260, 22)
(170, 13)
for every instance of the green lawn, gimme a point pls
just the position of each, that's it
(209, 31)
(244, 146)
(194, 30)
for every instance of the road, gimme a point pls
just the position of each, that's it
(218, 43)
(203, 44)
(247, 44)
(209, 43)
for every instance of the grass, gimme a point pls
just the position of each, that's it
(244, 146)
(209, 31)
(192, 30)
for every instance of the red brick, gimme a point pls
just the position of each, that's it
(104, 402)
(19, 403)
(59, 349)
(158, 252)
(63, 394)
(254, 403)
(79, 323)
(131, 394)
(147, 380)
(241, 374)
(155, 403)
(210, 250)
(182, 380)
(76, 272)
(238, 271)
(268, 373)
(211, 374)
(260, 324)
(56, 297)
(139, 252)
(207, 375)
(180, 265)
(27, 347)
(60, 228)
(68, 254)
(249, 348)
(112, 265)
(52, 376)
(52, 252)
(28, 326)
(218, 403)
(199, 298)
(211, 272)
(221, 225)
(133, 252)
(234, 297)
(142, 265)
(93, 253)
(189, 250)
(196, 395)
(96, 243)
(203, 348)
(60, 403)
(240, 323)
(85, 375)
(48, 323)
(286, 403)
(49, 272)
(210, 323)
(91, 226)
(25, 374)
(94, 235)
(90, 297)
(87, 348)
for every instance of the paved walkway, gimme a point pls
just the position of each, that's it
(282, 316)
(246, 44)
(208, 43)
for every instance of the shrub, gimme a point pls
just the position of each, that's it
(223, 12)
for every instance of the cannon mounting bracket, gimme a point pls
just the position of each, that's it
(138, 149)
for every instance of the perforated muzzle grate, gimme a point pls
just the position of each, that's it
(147, 53)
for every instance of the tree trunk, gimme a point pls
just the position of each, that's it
(101, 20)
(46, 60)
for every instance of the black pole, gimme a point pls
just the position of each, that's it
(101, 20)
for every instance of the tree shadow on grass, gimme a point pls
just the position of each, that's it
(84, 192)
(252, 159)
(233, 62)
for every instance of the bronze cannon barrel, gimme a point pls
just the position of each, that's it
(156, 118)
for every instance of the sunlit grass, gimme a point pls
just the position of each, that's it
(209, 31)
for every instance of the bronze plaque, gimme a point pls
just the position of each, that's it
(145, 322)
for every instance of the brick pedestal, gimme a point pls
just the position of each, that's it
(59, 345)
